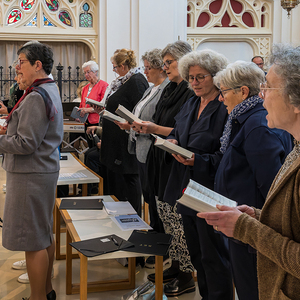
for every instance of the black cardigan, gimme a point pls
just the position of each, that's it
(114, 154)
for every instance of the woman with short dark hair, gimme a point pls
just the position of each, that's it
(31, 159)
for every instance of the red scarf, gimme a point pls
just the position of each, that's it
(50, 108)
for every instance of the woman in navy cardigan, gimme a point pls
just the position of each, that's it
(199, 126)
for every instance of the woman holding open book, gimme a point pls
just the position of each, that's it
(198, 128)
(251, 154)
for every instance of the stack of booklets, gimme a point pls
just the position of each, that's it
(127, 115)
(171, 148)
(202, 199)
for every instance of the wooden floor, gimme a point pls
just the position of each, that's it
(10, 289)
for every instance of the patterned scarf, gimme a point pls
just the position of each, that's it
(50, 108)
(116, 83)
(238, 110)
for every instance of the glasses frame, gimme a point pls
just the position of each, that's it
(19, 62)
(167, 63)
(263, 88)
(202, 78)
(146, 68)
(114, 68)
(222, 91)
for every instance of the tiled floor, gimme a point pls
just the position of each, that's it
(10, 289)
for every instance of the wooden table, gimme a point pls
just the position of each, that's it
(80, 229)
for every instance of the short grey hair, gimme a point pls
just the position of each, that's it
(92, 64)
(177, 49)
(154, 58)
(286, 61)
(241, 73)
(207, 59)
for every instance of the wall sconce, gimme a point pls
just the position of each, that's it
(288, 5)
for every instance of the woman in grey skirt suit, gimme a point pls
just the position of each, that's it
(30, 144)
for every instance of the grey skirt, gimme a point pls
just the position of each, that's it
(28, 211)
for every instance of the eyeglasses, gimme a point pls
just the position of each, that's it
(19, 62)
(198, 78)
(263, 88)
(222, 91)
(167, 63)
(147, 69)
(87, 72)
(260, 64)
(115, 68)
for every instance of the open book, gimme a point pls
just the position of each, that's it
(93, 102)
(171, 148)
(202, 199)
(111, 117)
(127, 115)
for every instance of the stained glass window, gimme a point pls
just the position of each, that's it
(14, 16)
(85, 19)
(52, 4)
(27, 4)
(32, 23)
(47, 23)
(65, 18)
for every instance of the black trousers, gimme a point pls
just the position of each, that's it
(126, 187)
(209, 255)
(149, 197)
(244, 269)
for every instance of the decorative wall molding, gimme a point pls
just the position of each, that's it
(231, 20)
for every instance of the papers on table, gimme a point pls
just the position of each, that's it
(119, 208)
(130, 222)
(202, 199)
(72, 175)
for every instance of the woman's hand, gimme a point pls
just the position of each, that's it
(97, 109)
(185, 161)
(91, 130)
(144, 127)
(85, 110)
(3, 109)
(247, 210)
(224, 220)
(2, 130)
(173, 141)
(123, 126)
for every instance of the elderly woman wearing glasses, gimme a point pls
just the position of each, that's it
(94, 90)
(252, 155)
(30, 147)
(199, 126)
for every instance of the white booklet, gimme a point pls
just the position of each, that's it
(171, 148)
(119, 208)
(202, 199)
(127, 115)
(112, 117)
(130, 222)
(94, 102)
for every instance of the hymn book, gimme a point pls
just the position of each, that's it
(171, 148)
(93, 102)
(202, 199)
(112, 117)
(127, 115)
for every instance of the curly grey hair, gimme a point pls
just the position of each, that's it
(241, 73)
(207, 59)
(154, 58)
(177, 49)
(286, 61)
(92, 64)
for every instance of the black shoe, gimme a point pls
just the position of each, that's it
(168, 275)
(150, 261)
(51, 295)
(174, 288)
